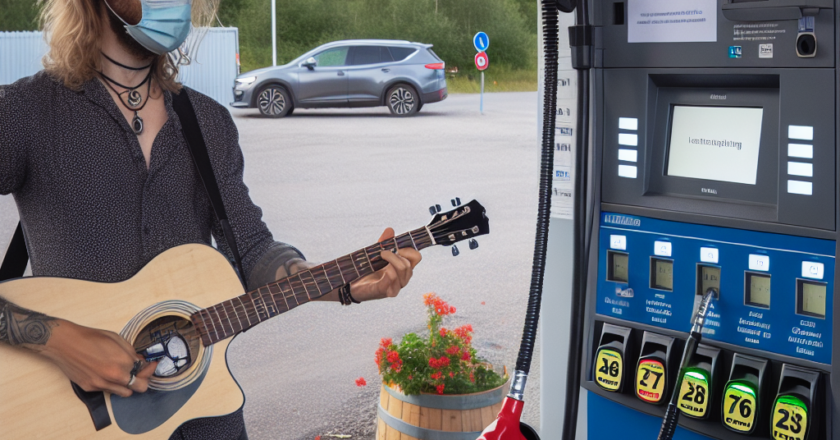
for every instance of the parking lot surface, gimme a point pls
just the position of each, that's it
(328, 182)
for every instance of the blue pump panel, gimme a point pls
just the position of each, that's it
(661, 262)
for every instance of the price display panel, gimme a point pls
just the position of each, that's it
(661, 274)
(618, 267)
(707, 276)
(757, 290)
(810, 298)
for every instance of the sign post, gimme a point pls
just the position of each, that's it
(481, 42)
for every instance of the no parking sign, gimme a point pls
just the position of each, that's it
(481, 61)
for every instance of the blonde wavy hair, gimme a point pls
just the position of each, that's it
(73, 30)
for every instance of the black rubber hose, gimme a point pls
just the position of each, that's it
(550, 45)
(576, 320)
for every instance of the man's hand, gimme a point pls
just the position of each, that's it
(388, 281)
(384, 283)
(96, 360)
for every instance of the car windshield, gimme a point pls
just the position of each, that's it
(332, 57)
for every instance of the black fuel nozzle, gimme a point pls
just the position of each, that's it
(672, 414)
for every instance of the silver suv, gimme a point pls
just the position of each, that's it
(352, 73)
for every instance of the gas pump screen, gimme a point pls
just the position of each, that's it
(715, 143)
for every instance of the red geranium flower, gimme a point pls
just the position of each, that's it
(440, 389)
(393, 356)
(453, 350)
(360, 382)
(437, 375)
(385, 342)
(442, 332)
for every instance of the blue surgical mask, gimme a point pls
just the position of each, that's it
(164, 26)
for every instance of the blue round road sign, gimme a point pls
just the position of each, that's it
(481, 41)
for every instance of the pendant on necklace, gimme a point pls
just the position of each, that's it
(137, 124)
(134, 98)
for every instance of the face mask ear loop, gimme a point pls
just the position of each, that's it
(115, 12)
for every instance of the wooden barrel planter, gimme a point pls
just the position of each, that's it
(437, 417)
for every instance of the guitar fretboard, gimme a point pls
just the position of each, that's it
(238, 314)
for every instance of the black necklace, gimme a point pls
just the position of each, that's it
(123, 65)
(135, 100)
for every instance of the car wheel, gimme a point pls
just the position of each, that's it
(402, 100)
(274, 101)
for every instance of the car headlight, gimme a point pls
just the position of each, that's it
(245, 81)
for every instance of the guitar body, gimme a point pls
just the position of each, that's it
(38, 400)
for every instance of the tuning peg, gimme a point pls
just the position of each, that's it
(437, 207)
(455, 251)
(432, 210)
(473, 244)
(456, 201)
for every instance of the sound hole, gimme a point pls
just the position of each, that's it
(171, 341)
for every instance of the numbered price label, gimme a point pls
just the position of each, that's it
(739, 408)
(609, 368)
(790, 418)
(694, 394)
(650, 381)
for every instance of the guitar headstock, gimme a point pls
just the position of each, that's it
(465, 222)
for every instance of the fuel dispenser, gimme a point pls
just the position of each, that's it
(713, 161)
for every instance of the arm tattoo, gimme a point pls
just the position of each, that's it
(19, 326)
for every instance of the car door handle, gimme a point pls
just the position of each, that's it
(340, 73)
(386, 70)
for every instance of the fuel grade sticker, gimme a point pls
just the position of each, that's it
(790, 418)
(739, 407)
(609, 367)
(650, 381)
(694, 394)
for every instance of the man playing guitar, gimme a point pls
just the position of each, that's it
(94, 155)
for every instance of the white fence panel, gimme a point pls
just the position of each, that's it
(213, 69)
(214, 66)
(20, 55)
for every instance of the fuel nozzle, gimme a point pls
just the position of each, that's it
(672, 414)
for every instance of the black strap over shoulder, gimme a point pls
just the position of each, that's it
(198, 149)
(14, 264)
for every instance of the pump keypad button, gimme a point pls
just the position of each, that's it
(739, 408)
(790, 418)
(650, 381)
(609, 368)
(694, 395)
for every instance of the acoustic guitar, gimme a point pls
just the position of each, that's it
(182, 309)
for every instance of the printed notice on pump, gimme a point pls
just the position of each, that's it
(672, 21)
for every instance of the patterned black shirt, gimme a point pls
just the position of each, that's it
(91, 209)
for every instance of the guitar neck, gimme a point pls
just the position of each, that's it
(236, 315)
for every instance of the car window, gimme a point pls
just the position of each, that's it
(401, 53)
(369, 55)
(385, 54)
(332, 57)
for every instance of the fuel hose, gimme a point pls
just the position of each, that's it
(672, 413)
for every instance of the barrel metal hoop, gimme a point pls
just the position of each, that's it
(452, 401)
(423, 433)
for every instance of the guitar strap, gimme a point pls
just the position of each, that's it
(14, 264)
(198, 149)
(17, 257)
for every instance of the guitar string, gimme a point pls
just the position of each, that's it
(376, 258)
(303, 284)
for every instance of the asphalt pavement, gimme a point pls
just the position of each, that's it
(329, 181)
